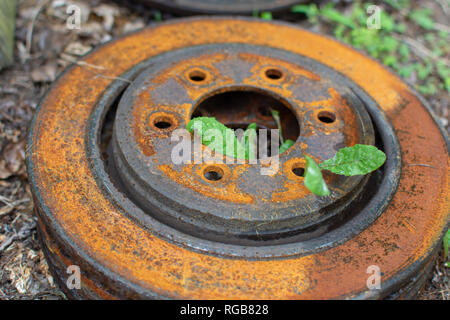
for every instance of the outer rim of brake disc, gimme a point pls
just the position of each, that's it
(126, 287)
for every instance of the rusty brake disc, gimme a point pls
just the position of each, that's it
(109, 199)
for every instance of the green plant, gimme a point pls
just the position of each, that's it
(390, 43)
(423, 18)
(157, 15)
(266, 15)
(350, 161)
(7, 27)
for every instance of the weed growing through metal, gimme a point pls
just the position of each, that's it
(349, 161)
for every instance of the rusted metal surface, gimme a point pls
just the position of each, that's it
(220, 6)
(141, 227)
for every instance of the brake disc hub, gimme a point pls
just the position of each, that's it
(237, 84)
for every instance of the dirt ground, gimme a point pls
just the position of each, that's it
(44, 47)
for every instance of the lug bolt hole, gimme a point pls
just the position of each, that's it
(213, 173)
(162, 125)
(274, 74)
(197, 76)
(298, 171)
(326, 117)
(163, 122)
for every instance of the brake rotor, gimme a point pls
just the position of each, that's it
(110, 200)
(221, 6)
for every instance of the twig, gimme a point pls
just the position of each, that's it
(421, 165)
(30, 31)
(436, 26)
(420, 49)
(441, 27)
(112, 78)
(23, 233)
(444, 5)
(67, 58)
(5, 200)
(11, 206)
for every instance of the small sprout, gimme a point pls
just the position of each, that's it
(349, 161)
(314, 179)
(276, 116)
(286, 145)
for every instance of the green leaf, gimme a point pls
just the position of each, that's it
(229, 145)
(7, 27)
(442, 69)
(276, 116)
(359, 14)
(406, 71)
(446, 244)
(423, 18)
(250, 141)
(389, 44)
(447, 84)
(314, 179)
(363, 38)
(390, 60)
(157, 15)
(266, 15)
(357, 160)
(286, 145)
(443, 34)
(393, 4)
(423, 71)
(387, 22)
(335, 16)
(252, 126)
(400, 28)
(427, 89)
(398, 4)
(339, 31)
(404, 52)
(309, 10)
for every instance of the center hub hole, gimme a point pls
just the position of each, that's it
(239, 108)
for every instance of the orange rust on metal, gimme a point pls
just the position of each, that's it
(228, 190)
(63, 180)
(213, 80)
